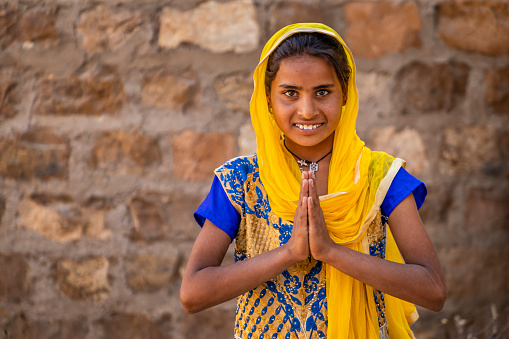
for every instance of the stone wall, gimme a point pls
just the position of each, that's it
(114, 113)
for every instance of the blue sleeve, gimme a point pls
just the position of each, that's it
(218, 209)
(402, 185)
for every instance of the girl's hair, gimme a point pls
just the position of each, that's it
(314, 44)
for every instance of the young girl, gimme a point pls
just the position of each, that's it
(328, 238)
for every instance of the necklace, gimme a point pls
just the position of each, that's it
(313, 165)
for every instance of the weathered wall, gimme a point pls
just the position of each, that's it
(114, 113)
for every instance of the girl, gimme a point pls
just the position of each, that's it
(328, 238)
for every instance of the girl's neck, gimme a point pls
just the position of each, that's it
(311, 153)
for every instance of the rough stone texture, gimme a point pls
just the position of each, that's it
(235, 91)
(38, 24)
(9, 17)
(103, 28)
(37, 154)
(470, 148)
(194, 159)
(147, 273)
(378, 28)
(86, 279)
(9, 96)
(428, 88)
(15, 283)
(475, 26)
(406, 144)
(486, 211)
(60, 219)
(240, 33)
(247, 140)
(123, 150)
(26, 328)
(159, 216)
(497, 89)
(94, 92)
(134, 326)
(288, 12)
(169, 91)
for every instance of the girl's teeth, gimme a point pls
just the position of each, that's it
(308, 126)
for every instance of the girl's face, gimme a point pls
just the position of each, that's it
(306, 99)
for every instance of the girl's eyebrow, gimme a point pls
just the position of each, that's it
(285, 86)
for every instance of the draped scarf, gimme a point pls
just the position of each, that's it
(348, 209)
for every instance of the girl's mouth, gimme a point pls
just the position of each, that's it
(307, 127)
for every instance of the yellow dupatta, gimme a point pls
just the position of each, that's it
(348, 208)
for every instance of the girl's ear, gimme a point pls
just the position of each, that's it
(345, 98)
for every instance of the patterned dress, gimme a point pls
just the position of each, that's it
(293, 304)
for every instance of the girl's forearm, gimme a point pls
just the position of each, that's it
(212, 285)
(411, 282)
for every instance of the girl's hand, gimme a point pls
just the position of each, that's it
(319, 239)
(298, 244)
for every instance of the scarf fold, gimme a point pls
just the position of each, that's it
(348, 208)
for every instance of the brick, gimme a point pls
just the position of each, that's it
(9, 93)
(235, 91)
(286, 13)
(38, 24)
(94, 92)
(15, 284)
(20, 326)
(9, 17)
(468, 149)
(170, 91)
(425, 88)
(37, 154)
(122, 150)
(375, 29)
(497, 89)
(240, 35)
(85, 279)
(103, 28)
(148, 273)
(406, 144)
(486, 211)
(196, 155)
(160, 216)
(475, 26)
(133, 326)
(247, 139)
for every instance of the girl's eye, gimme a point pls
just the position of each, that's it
(290, 93)
(322, 92)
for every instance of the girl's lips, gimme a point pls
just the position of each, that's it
(307, 127)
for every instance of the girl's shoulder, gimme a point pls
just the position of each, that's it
(239, 169)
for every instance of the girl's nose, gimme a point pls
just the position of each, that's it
(307, 108)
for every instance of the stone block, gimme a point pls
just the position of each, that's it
(60, 219)
(288, 12)
(133, 326)
(216, 322)
(15, 283)
(93, 92)
(235, 91)
(497, 89)
(375, 29)
(84, 280)
(160, 216)
(196, 155)
(468, 149)
(486, 211)
(20, 326)
(422, 88)
(9, 18)
(170, 91)
(37, 154)
(148, 273)
(9, 93)
(215, 26)
(247, 140)
(123, 151)
(406, 144)
(475, 26)
(103, 28)
(38, 24)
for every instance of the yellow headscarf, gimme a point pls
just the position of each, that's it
(348, 208)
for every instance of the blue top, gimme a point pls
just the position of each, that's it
(218, 209)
